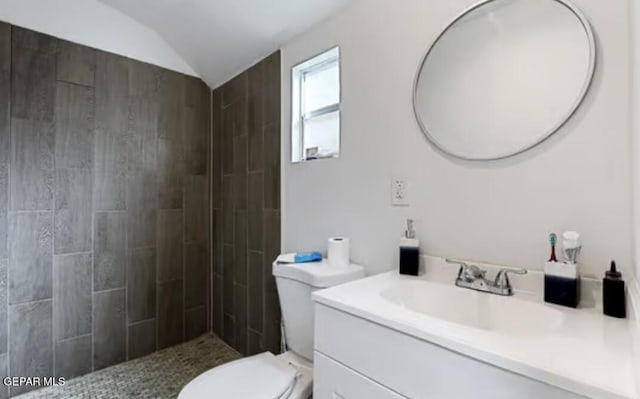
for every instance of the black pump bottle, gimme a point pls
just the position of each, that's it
(614, 301)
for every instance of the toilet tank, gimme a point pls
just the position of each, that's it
(296, 282)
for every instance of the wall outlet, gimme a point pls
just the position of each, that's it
(399, 192)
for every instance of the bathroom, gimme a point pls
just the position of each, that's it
(167, 230)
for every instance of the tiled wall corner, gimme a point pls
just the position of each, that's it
(246, 201)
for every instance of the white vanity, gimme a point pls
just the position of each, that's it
(392, 336)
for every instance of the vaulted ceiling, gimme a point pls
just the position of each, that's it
(219, 38)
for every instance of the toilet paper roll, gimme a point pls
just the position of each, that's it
(338, 252)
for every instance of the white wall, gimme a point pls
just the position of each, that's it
(496, 212)
(96, 25)
(634, 287)
(635, 125)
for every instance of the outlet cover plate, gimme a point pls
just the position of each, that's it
(399, 192)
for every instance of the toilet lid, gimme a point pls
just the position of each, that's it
(263, 376)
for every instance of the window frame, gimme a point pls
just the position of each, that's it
(298, 117)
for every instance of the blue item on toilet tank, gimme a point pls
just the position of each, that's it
(304, 257)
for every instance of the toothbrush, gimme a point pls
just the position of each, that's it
(553, 239)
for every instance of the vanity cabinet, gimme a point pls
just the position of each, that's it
(357, 358)
(341, 382)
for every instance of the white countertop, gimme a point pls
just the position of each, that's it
(588, 353)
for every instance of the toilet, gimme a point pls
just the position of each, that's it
(290, 374)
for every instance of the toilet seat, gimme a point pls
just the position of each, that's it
(263, 376)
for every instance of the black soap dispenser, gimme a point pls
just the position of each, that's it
(409, 251)
(614, 301)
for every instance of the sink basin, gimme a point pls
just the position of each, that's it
(508, 315)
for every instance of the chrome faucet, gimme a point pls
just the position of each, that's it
(471, 276)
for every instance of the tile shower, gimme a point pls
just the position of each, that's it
(246, 206)
(104, 207)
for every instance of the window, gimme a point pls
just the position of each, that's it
(315, 123)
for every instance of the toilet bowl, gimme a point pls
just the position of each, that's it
(263, 376)
(290, 374)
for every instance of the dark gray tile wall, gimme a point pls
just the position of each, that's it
(104, 203)
(109, 328)
(72, 295)
(109, 250)
(170, 245)
(4, 208)
(73, 210)
(196, 208)
(74, 125)
(111, 92)
(142, 338)
(31, 260)
(4, 372)
(33, 79)
(194, 325)
(170, 313)
(246, 208)
(141, 279)
(30, 344)
(32, 164)
(5, 90)
(73, 357)
(5, 151)
(109, 185)
(195, 275)
(171, 174)
(76, 64)
(3, 305)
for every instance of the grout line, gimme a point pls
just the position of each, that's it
(74, 83)
(93, 246)
(184, 263)
(253, 330)
(53, 221)
(156, 284)
(246, 230)
(94, 213)
(74, 253)
(265, 265)
(173, 280)
(22, 212)
(127, 260)
(8, 205)
(72, 338)
(136, 249)
(195, 308)
(31, 302)
(210, 243)
(110, 290)
(126, 235)
(135, 323)
(109, 211)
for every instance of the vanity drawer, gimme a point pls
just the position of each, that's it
(332, 380)
(416, 368)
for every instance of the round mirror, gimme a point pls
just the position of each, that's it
(503, 77)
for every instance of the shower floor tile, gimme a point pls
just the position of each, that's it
(159, 375)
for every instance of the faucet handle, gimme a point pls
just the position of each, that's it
(467, 272)
(502, 278)
(473, 272)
